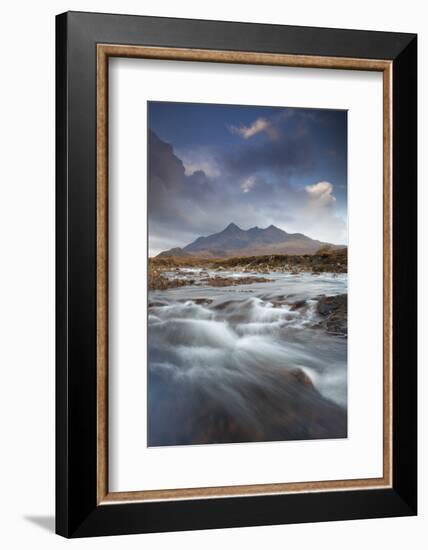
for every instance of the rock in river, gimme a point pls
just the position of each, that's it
(334, 313)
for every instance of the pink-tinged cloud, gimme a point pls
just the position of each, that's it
(259, 125)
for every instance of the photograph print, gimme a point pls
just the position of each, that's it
(247, 274)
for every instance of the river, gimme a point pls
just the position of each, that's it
(244, 363)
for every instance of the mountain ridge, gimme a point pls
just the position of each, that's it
(255, 241)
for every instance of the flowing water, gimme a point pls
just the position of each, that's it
(245, 363)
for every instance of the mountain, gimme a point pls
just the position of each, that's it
(234, 241)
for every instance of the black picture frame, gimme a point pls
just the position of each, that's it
(77, 511)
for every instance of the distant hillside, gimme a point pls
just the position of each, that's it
(236, 242)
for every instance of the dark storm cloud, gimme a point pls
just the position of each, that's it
(284, 157)
(287, 143)
(173, 196)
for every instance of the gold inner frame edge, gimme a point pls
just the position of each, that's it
(104, 51)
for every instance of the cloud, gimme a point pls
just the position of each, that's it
(171, 193)
(321, 215)
(271, 126)
(248, 184)
(259, 125)
(321, 193)
(292, 154)
(293, 147)
(199, 158)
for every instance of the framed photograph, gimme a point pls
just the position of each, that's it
(236, 274)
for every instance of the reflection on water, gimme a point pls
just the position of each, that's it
(245, 363)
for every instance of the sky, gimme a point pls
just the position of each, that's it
(210, 165)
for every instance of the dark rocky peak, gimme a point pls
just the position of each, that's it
(232, 228)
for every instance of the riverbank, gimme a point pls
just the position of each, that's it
(164, 271)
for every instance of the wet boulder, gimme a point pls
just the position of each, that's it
(334, 313)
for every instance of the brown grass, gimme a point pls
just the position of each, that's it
(325, 260)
